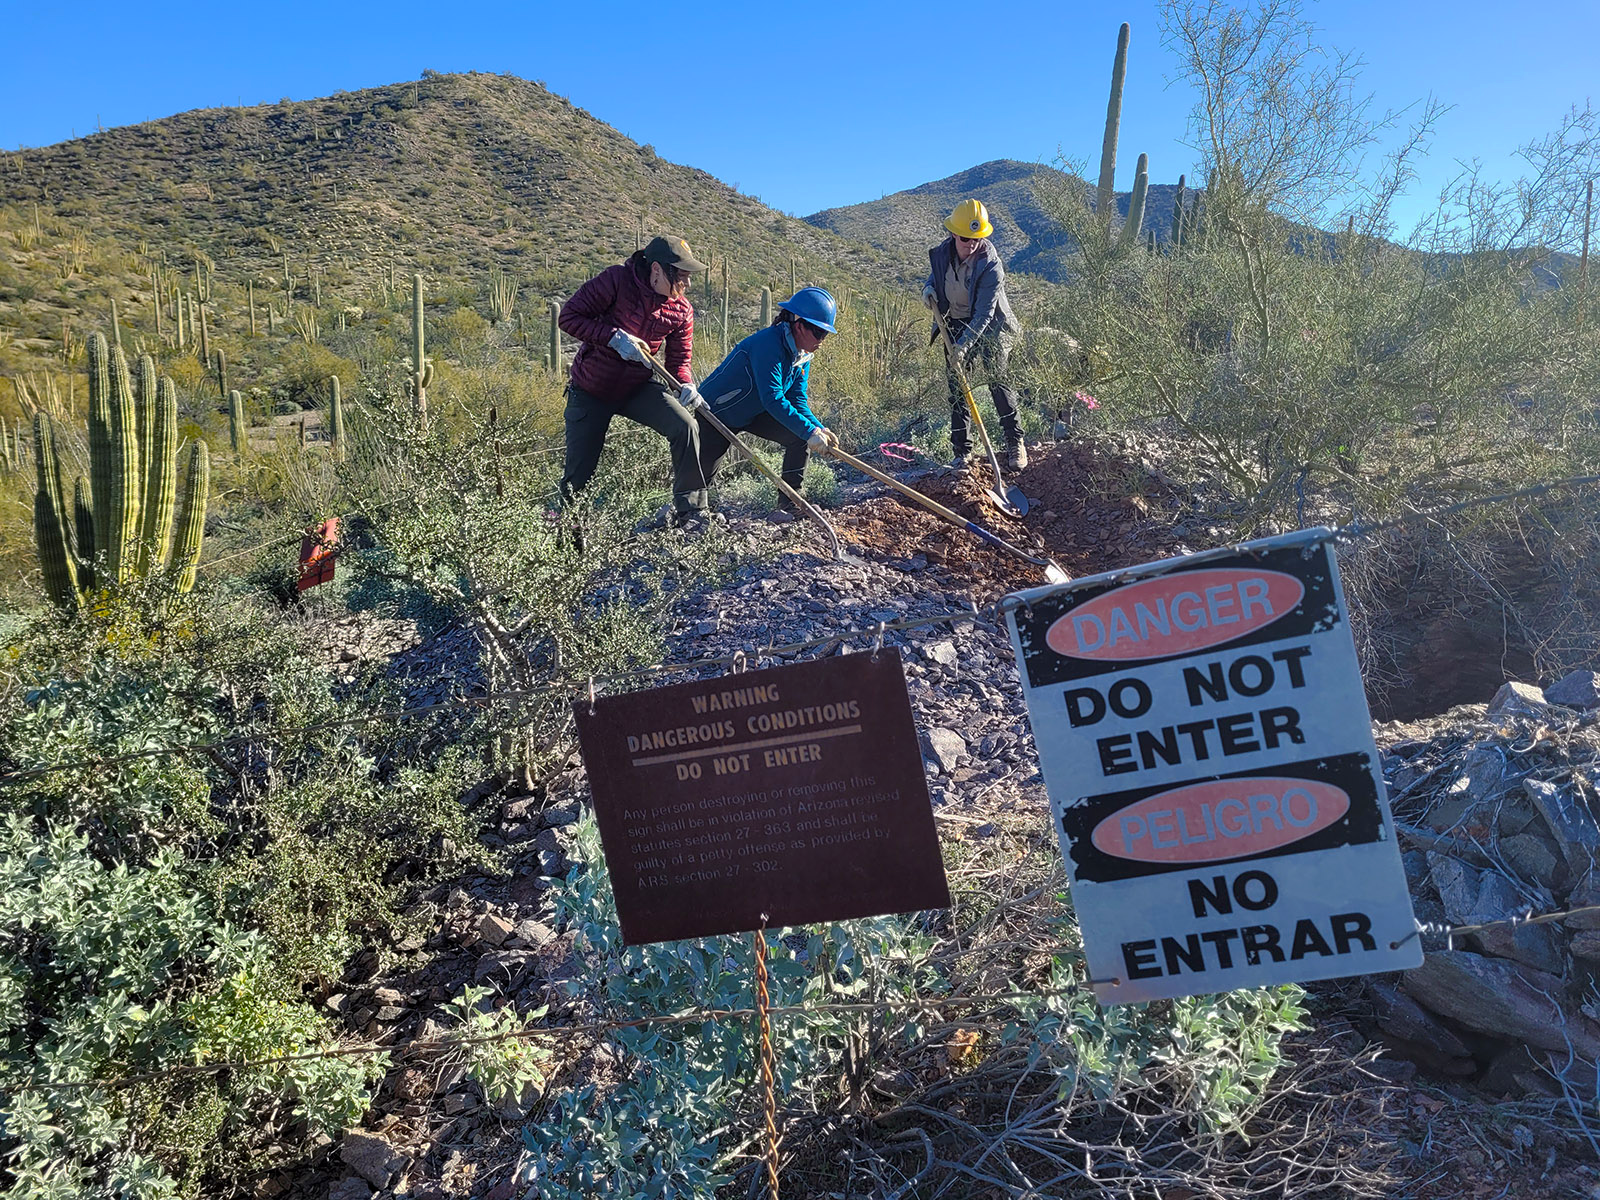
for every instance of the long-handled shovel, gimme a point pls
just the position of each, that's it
(1007, 498)
(734, 440)
(1053, 572)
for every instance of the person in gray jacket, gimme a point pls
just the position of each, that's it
(967, 284)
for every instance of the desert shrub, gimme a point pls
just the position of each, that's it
(175, 908)
(464, 512)
(681, 1112)
(301, 380)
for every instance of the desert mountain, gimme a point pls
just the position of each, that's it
(452, 174)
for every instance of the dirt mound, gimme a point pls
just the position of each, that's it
(1090, 510)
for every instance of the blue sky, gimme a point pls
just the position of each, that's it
(803, 105)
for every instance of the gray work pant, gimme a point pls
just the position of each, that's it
(985, 363)
(588, 419)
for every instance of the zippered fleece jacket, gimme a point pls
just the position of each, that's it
(991, 311)
(764, 373)
(618, 298)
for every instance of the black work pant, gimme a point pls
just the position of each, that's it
(588, 419)
(986, 363)
(764, 425)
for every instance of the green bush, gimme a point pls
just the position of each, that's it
(177, 908)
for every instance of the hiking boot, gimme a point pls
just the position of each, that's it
(1016, 456)
(697, 521)
(960, 460)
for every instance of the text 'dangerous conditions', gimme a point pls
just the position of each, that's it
(796, 792)
(1206, 744)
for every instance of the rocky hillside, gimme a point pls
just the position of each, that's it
(1016, 193)
(452, 174)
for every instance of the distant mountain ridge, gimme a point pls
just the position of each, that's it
(906, 223)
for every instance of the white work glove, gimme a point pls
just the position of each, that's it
(930, 300)
(628, 348)
(821, 439)
(691, 399)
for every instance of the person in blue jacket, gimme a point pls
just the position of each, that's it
(760, 387)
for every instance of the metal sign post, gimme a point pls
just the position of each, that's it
(1206, 743)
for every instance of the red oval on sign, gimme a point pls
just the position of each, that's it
(1175, 614)
(1222, 818)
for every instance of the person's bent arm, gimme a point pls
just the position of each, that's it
(588, 316)
(679, 349)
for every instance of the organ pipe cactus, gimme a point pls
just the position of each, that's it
(123, 514)
(191, 522)
(49, 528)
(160, 481)
(83, 533)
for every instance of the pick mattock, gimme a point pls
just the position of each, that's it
(1007, 498)
(666, 377)
(1053, 572)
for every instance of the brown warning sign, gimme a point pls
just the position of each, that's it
(795, 792)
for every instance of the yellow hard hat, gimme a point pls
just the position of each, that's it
(969, 220)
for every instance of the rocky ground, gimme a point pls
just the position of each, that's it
(1465, 1097)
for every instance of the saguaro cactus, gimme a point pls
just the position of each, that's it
(1108, 148)
(222, 373)
(554, 355)
(766, 307)
(724, 308)
(119, 527)
(1141, 189)
(421, 368)
(336, 418)
(250, 290)
(1177, 215)
(238, 432)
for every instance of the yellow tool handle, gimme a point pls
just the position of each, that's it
(954, 359)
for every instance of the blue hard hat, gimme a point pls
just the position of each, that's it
(814, 306)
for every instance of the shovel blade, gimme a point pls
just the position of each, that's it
(1002, 503)
(1018, 501)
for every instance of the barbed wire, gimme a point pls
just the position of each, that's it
(837, 634)
(403, 1051)
(1361, 529)
(694, 1016)
(570, 687)
(998, 609)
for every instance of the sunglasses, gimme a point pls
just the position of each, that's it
(819, 334)
(968, 241)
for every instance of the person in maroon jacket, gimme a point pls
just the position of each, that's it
(639, 303)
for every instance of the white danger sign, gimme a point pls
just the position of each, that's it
(1206, 744)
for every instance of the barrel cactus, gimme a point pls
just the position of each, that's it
(122, 515)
